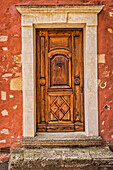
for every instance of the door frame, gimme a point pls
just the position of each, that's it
(78, 16)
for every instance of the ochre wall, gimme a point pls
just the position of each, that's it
(11, 71)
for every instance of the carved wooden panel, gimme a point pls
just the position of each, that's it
(60, 107)
(60, 39)
(59, 70)
(59, 42)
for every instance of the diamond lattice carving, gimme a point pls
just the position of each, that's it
(60, 108)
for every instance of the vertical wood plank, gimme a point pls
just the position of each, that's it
(46, 75)
(37, 79)
(79, 90)
(42, 76)
(82, 77)
(77, 73)
(73, 59)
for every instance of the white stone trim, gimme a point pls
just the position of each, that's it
(82, 16)
(34, 9)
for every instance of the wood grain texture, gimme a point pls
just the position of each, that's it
(60, 100)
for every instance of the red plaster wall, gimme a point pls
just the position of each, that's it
(10, 25)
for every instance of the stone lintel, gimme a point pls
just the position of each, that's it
(33, 9)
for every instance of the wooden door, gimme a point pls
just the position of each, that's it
(60, 86)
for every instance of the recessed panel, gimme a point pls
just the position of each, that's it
(59, 70)
(59, 42)
(60, 107)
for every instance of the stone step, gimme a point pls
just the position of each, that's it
(88, 158)
(61, 139)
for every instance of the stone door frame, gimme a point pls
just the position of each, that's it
(77, 16)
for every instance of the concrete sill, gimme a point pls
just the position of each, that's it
(71, 139)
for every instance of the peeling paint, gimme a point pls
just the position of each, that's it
(3, 38)
(4, 48)
(16, 83)
(11, 96)
(15, 68)
(12, 137)
(16, 35)
(4, 112)
(5, 131)
(3, 141)
(18, 75)
(7, 75)
(102, 130)
(99, 81)
(106, 73)
(101, 58)
(103, 122)
(14, 107)
(110, 30)
(3, 95)
(111, 14)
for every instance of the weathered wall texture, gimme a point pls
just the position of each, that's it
(11, 71)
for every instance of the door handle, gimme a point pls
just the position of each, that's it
(77, 80)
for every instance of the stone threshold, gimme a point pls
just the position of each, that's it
(71, 139)
(89, 158)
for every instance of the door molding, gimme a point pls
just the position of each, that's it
(78, 16)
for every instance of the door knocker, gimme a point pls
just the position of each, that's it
(77, 80)
(59, 63)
